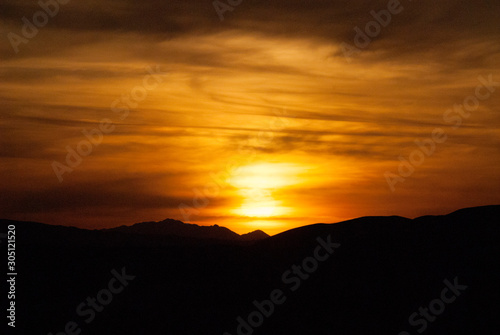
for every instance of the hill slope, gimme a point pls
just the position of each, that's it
(380, 272)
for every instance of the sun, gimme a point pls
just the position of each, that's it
(259, 202)
(258, 183)
(256, 211)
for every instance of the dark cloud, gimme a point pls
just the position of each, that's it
(422, 26)
(96, 195)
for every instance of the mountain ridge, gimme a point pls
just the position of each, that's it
(383, 269)
(176, 228)
(171, 227)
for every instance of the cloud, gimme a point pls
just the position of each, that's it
(421, 27)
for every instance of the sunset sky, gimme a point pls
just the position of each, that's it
(257, 121)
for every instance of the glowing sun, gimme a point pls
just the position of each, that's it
(258, 184)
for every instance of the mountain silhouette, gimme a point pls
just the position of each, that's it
(255, 235)
(371, 275)
(170, 227)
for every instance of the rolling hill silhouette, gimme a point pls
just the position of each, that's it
(363, 276)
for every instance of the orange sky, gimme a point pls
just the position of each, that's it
(254, 122)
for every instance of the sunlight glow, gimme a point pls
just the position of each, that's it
(256, 183)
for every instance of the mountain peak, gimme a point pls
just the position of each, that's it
(171, 227)
(254, 235)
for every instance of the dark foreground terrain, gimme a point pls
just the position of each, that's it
(372, 275)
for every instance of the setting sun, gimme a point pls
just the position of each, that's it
(257, 184)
